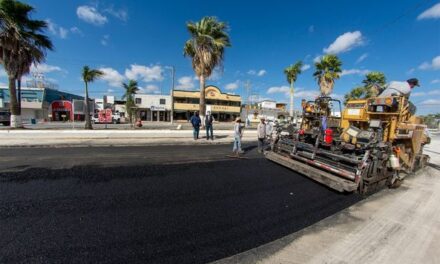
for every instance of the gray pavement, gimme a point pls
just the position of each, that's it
(67, 138)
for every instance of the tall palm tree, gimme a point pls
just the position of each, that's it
(373, 83)
(88, 76)
(292, 73)
(21, 44)
(131, 88)
(206, 47)
(328, 69)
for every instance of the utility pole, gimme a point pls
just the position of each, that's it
(173, 74)
(248, 95)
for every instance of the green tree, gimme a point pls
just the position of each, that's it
(88, 76)
(355, 93)
(328, 69)
(21, 44)
(292, 73)
(206, 48)
(131, 88)
(373, 83)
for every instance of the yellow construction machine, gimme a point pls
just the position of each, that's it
(372, 143)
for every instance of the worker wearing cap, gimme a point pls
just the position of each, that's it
(400, 88)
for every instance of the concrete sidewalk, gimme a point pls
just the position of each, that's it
(63, 138)
(393, 226)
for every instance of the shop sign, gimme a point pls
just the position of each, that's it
(157, 108)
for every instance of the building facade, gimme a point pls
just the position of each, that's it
(152, 107)
(36, 103)
(223, 106)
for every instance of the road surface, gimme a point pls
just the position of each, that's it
(186, 204)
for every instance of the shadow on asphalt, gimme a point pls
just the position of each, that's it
(186, 213)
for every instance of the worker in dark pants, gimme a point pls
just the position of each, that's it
(209, 120)
(195, 122)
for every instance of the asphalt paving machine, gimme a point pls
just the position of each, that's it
(374, 143)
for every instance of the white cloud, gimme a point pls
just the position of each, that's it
(145, 73)
(151, 88)
(429, 93)
(305, 67)
(105, 40)
(112, 77)
(216, 74)
(306, 93)
(261, 73)
(120, 14)
(110, 90)
(434, 102)
(435, 81)
(317, 59)
(410, 71)
(345, 42)
(185, 83)
(433, 65)
(63, 33)
(362, 58)
(354, 71)
(433, 12)
(278, 89)
(91, 15)
(232, 86)
(76, 30)
(56, 29)
(45, 68)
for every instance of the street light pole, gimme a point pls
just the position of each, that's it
(173, 74)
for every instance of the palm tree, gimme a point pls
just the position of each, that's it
(21, 44)
(355, 93)
(292, 73)
(373, 83)
(206, 47)
(327, 71)
(88, 76)
(130, 90)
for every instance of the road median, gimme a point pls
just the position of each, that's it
(72, 138)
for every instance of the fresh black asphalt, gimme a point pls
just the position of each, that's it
(149, 204)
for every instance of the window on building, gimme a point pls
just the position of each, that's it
(138, 100)
(162, 101)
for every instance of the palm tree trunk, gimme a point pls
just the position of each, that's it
(87, 112)
(291, 99)
(13, 105)
(19, 95)
(202, 104)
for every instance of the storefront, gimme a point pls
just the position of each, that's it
(223, 106)
(151, 107)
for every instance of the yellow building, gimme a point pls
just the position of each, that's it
(223, 106)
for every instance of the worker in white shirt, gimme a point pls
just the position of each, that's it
(400, 88)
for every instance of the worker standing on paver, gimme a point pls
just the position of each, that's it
(261, 134)
(400, 88)
(195, 122)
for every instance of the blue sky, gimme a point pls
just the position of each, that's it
(139, 39)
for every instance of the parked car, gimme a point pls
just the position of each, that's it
(5, 117)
